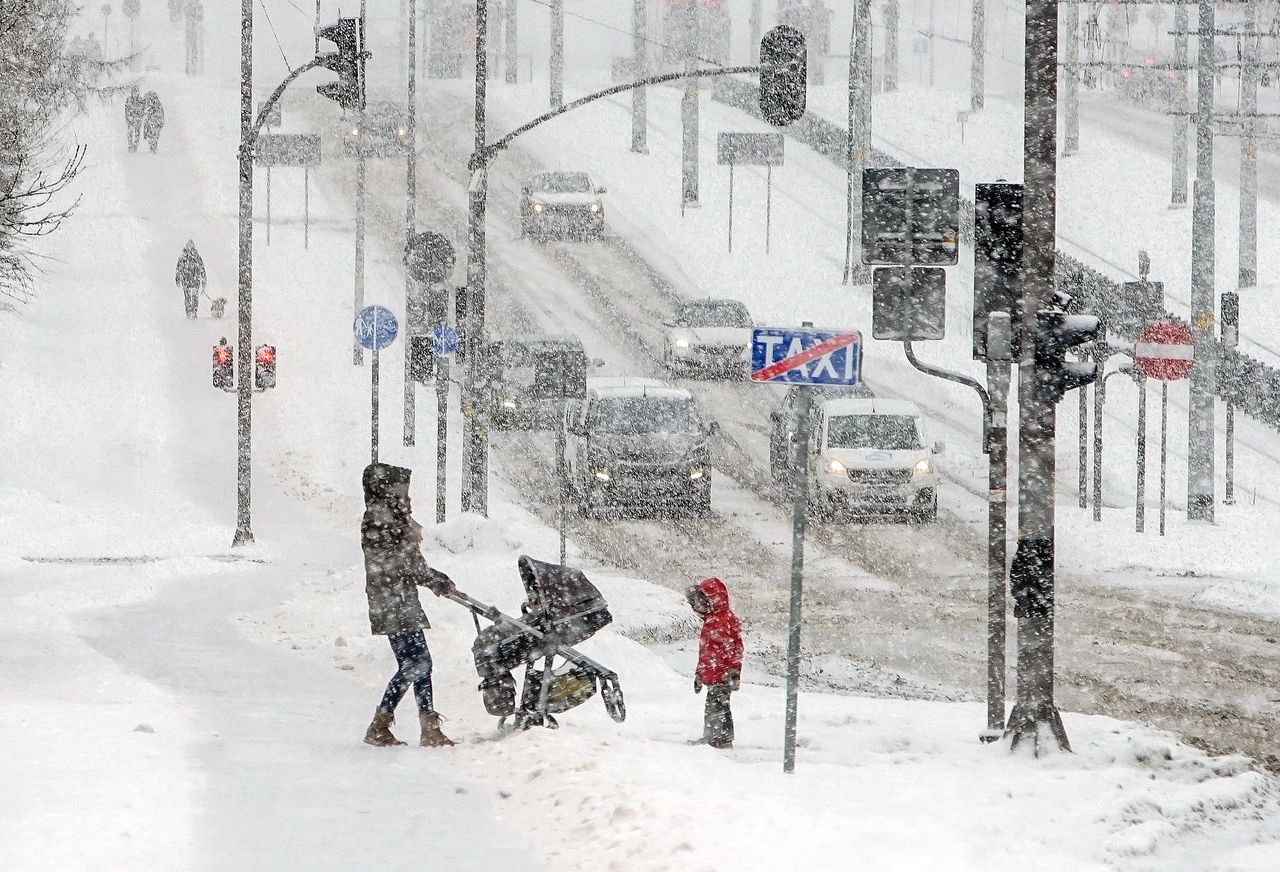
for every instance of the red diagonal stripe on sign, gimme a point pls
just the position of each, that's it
(821, 349)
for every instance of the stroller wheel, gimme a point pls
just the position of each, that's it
(551, 723)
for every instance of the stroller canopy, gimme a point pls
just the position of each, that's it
(561, 601)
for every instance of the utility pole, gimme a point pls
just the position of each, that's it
(640, 65)
(244, 302)
(689, 111)
(410, 220)
(932, 50)
(475, 437)
(817, 66)
(754, 23)
(557, 53)
(357, 353)
(510, 33)
(1032, 577)
(858, 141)
(891, 17)
(1178, 198)
(1248, 265)
(1200, 415)
(978, 56)
(1071, 129)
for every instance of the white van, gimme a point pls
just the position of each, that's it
(873, 457)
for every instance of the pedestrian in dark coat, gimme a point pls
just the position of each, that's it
(153, 121)
(190, 277)
(719, 659)
(394, 568)
(134, 111)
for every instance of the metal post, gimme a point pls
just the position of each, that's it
(511, 33)
(997, 547)
(1083, 464)
(244, 302)
(317, 28)
(1200, 414)
(730, 208)
(799, 505)
(1178, 197)
(1164, 445)
(557, 53)
(858, 143)
(1099, 398)
(817, 66)
(977, 55)
(640, 68)
(1071, 75)
(306, 207)
(268, 205)
(357, 353)
(475, 438)
(562, 477)
(689, 113)
(1034, 561)
(891, 17)
(754, 24)
(442, 435)
(373, 399)
(1140, 501)
(410, 217)
(1248, 265)
(1229, 494)
(768, 204)
(932, 52)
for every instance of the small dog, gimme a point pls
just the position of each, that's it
(218, 307)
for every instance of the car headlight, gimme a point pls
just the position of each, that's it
(696, 473)
(682, 343)
(508, 403)
(402, 131)
(835, 467)
(602, 474)
(537, 207)
(923, 467)
(355, 130)
(594, 207)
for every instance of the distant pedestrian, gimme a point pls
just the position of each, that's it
(134, 113)
(719, 659)
(153, 120)
(190, 277)
(394, 568)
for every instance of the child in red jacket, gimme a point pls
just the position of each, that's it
(719, 659)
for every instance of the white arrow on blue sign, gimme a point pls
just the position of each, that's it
(806, 356)
(375, 325)
(444, 340)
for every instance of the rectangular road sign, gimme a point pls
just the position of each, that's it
(287, 150)
(806, 356)
(757, 149)
(910, 217)
(909, 302)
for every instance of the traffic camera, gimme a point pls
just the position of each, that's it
(264, 367)
(224, 366)
(347, 62)
(1056, 334)
(783, 76)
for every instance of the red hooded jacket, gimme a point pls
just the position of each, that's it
(720, 644)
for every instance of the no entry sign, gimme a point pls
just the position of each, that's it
(1165, 351)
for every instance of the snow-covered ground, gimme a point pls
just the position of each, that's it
(171, 703)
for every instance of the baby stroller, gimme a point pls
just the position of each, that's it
(562, 608)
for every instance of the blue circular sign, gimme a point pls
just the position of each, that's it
(375, 326)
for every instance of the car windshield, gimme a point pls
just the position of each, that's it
(887, 432)
(718, 314)
(563, 183)
(646, 415)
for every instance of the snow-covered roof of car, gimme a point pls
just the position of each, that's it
(876, 406)
(631, 386)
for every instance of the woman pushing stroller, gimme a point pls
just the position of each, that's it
(394, 568)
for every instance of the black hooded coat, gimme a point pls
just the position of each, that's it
(393, 563)
(190, 274)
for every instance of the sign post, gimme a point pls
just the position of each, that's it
(1166, 352)
(289, 150)
(375, 328)
(429, 259)
(802, 356)
(444, 345)
(751, 149)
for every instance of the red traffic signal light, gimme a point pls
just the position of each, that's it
(1126, 73)
(264, 368)
(224, 366)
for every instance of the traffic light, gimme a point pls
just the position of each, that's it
(997, 260)
(264, 367)
(224, 366)
(347, 62)
(783, 76)
(421, 358)
(1056, 334)
(1230, 319)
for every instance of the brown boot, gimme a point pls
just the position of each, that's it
(431, 735)
(379, 732)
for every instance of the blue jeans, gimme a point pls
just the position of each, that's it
(411, 652)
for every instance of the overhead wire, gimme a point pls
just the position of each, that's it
(613, 27)
(276, 36)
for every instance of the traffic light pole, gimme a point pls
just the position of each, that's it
(475, 437)
(859, 139)
(410, 219)
(639, 63)
(977, 56)
(1032, 574)
(689, 112)
(357, 354)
